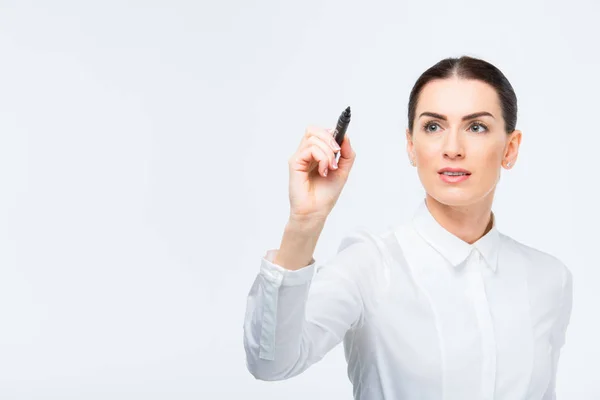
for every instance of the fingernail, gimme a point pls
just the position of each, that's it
(335, 165)
(325, 172)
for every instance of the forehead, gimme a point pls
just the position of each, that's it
(458, 97)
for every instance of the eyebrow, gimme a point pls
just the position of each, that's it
(465, 118)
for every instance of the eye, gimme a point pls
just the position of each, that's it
(429, 124)
(481, 127)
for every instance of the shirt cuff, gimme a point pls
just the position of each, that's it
(283, 276)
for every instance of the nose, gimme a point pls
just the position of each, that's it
(453, 146)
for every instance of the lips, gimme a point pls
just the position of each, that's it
(454, 178)
(459, 175)
(448, 169)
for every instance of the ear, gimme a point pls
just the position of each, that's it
(511, 152)
(409, 144)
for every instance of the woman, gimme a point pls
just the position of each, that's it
(443, 306)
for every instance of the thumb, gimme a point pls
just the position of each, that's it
(347, 154)
(346, 150)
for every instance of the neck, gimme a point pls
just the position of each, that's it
(468, 223)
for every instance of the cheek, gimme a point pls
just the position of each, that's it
(486, 154)
(487, 166)
(494, 157)
(428, 154)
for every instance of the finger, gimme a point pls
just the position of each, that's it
(320, 155)
(306, 158)
(324, 134)
(317, 141)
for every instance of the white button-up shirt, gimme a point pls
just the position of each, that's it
(422, 315)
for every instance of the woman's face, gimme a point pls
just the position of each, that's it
(450, 130)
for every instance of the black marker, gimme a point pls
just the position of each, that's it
(341, 127)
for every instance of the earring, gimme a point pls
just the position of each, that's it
(508, 164)
(412, 163)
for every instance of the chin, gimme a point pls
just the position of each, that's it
(454, 196)
(457, 196)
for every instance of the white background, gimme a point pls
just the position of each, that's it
(143, 173)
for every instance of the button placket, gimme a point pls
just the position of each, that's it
(484, 320)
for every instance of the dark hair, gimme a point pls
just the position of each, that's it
(468, 68)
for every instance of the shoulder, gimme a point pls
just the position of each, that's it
(366, 245)
(531, 254)
(362, 238)
(367, 257)
(541, 264)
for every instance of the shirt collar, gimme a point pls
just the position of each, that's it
(451, 247)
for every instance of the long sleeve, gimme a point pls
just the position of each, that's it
(559, 330)
(293, 318)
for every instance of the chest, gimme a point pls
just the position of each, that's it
(464, 330)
